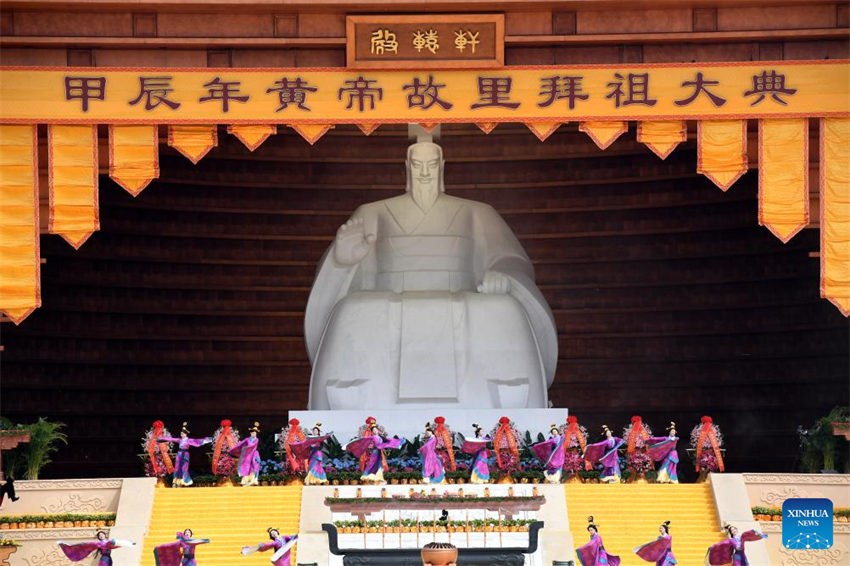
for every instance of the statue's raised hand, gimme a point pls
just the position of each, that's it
(494, 283)
(352, 243)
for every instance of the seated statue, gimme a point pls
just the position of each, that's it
(428, 300)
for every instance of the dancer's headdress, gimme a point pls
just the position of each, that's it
(255, 428)
(185, 429)
(666, 525)
(672, 426)
(590, 523)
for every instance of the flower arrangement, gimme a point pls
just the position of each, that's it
(636, 434)
(225, 437)
(573, 461)
(506, 440)
(639, 462)
(155, 456)
(706, 442)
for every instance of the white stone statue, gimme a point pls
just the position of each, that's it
(428, 300)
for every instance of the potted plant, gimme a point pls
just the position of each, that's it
(7, 548)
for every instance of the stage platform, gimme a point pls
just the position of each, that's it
(627, 515)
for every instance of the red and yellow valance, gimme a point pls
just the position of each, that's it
(256, 103)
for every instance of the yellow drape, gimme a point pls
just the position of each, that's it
(835, 211)
(603, 134)
(312, 132)
(662, 136)
(194, 142)
(20, 264)
(72, 174)
(252, 136)
(722, 150)
(133, 156)
(784, 176)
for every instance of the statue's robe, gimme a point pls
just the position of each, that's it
(406, 327)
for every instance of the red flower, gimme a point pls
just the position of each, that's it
(440, 420)
(294, 422)
(636, 419)
(572, 420)
(371, 420)
(226, 423)
(504, 420)
(158, 424)
(705, 419)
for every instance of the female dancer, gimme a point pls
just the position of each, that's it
(103, 545)
(373, 469)
(605, 453)
(248, 451)
(660, 550)
(479, 471)
(179, 553)
(432, 466)
(311, 449)
(663, 449)
(282, 545)
(731, 550)
(181, 466)
(593, 553)
(551, 453)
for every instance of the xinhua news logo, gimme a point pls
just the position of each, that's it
(807, 524)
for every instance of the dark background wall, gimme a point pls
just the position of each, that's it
(670, 301)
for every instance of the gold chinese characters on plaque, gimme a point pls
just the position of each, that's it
(425, 41)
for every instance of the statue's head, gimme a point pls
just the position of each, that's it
(425, 172)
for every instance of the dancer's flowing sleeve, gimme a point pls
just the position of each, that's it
(301, 450)
(289, 542)
(199, 441)
(79, 551)
(359, 446)
(168, 554)
(752, 535)
(390, 443)
(659, 446)
(543, 450)
(588, 553)
(655, 550)
(610, 458)
(473, 446)
(196, 541)
(720, 554)
(118, 543)
(167, 439)
(237, 448)
(262, 547)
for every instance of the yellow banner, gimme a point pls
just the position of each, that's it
(835, 212)
(512, 94)
(784, 176)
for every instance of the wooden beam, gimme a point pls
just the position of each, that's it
(339, 42)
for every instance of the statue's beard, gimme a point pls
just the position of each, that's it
(425, 195)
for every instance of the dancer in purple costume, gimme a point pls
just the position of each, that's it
(373, 471)
(311, 449)
(593, 553)
(551, 453)
(479, 471)
(731, 550)
(179, 553)
(660, 550)
(104, 545)
(181, 465)
(432, 465)
(282, 546)
(663, 449)
(248, 451)
(605, 453)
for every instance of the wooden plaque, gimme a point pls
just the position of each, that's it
(450, 41)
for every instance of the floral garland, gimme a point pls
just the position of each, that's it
(289, 434)
(444, 440)
(704, 436)
(575, 438)
(159, 461)
(506, 438)
(224, 438)
(636, 434)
